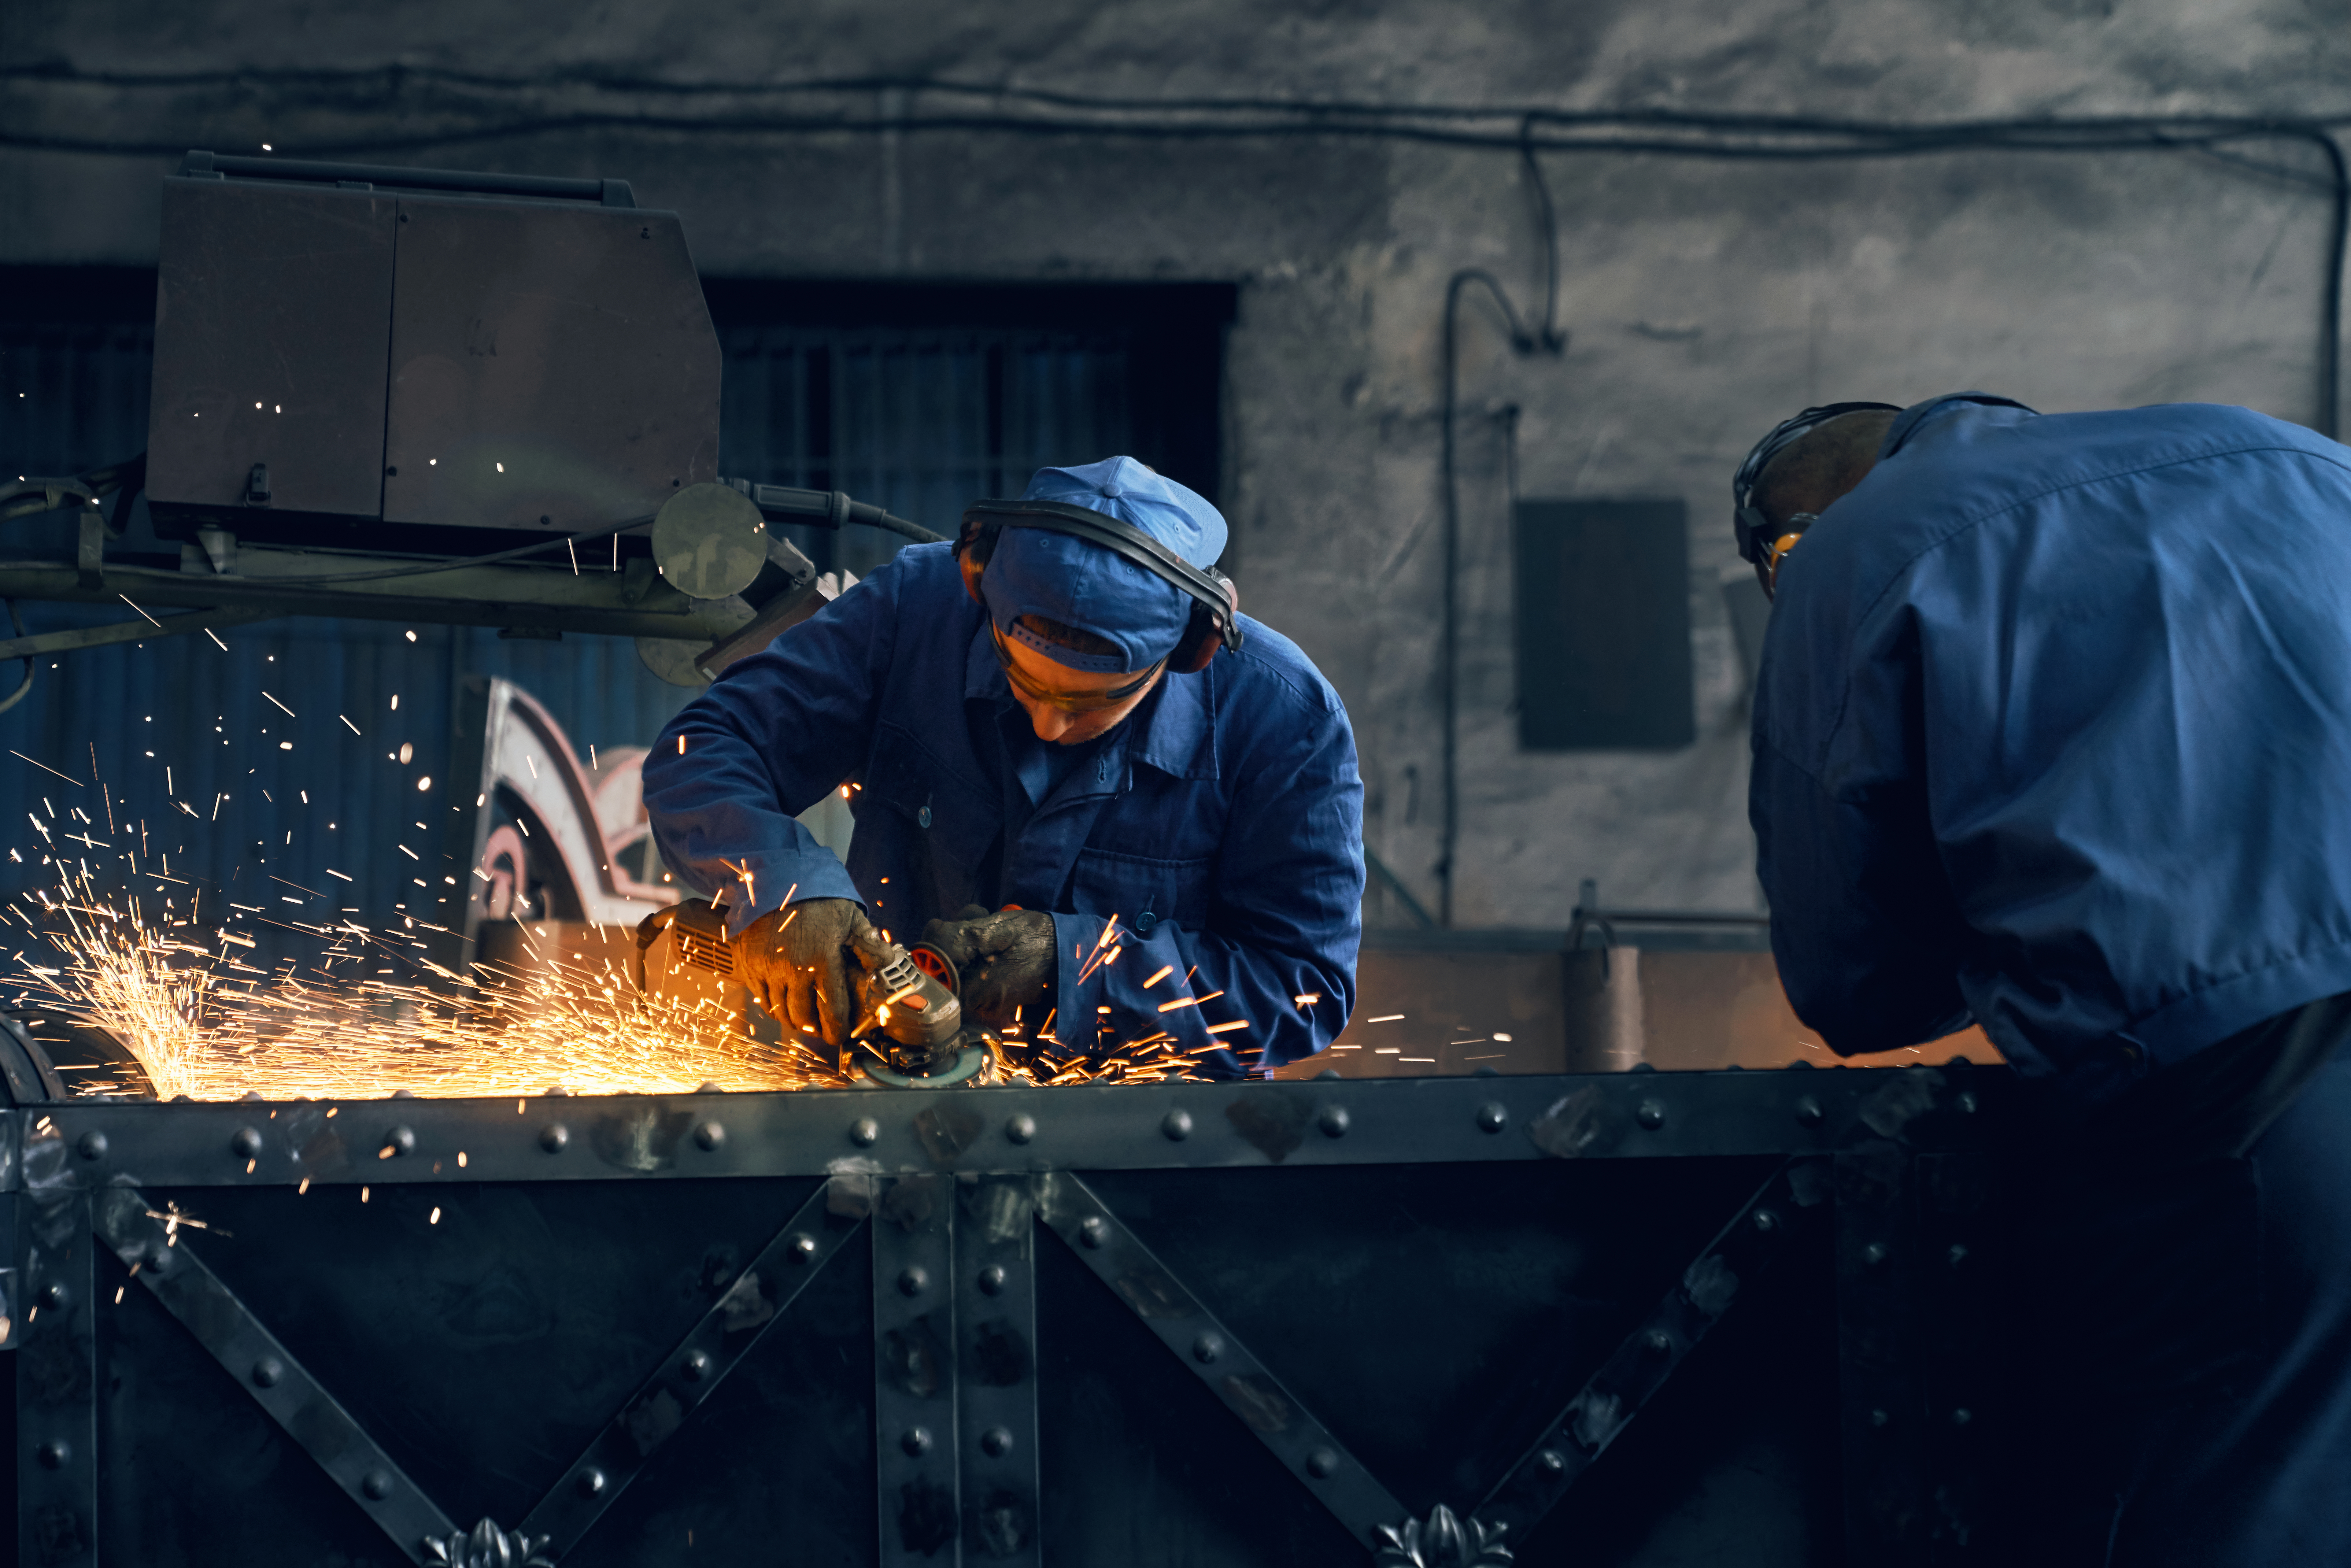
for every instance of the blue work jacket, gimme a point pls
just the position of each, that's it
(2053, 730)
(1222, 823)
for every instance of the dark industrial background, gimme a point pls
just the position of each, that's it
(945, 244)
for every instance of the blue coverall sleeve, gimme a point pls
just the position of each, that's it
(1278, 956)
(725, 780)
(1864, 925)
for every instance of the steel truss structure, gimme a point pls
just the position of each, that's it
(1406, 1322)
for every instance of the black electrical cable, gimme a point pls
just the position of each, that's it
(24, 686)
(1448, 655)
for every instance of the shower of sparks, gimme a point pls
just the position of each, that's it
(204, 1023)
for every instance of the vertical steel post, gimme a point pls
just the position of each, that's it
(996, 1364)
(1883, 1413)
(57, 1387)
(915, 1432)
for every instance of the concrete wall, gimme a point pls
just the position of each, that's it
(1705, 298)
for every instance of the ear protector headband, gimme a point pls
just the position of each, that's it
(1760, 543)
(1215, 609)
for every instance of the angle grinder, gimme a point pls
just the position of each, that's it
(910, 1031)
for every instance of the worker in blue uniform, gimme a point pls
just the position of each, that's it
(1127, 812)
(2053, 732)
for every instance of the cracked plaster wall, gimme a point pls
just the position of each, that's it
(1705, 298)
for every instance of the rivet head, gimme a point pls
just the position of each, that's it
(695, 1365)
(1966, 1102)
(246, 1145)
(376, 1484)
(1875, 1254)
(710, 1135)
(1207, 1347)
(991, 1279)
(1177, 1124)
(1322, 1464)
(1332, 1120)
(92, 1144)
(1094, 1230)
(914, 1441)
(996, 1442)
(1492, 1118)
(267, 1371)
(1651, 1115)
(159, 1259)
(588, 1482)
(55, 1295)
(1962, 1416)
(1808, 1110)
(55, 1453)
(400, 1141)
(1550, 1462)
(1957, 1254)
(1656, 1342)
(1764, 1220)
(802, 1249)
(865, 1131)
(1880, 1418)
(553, 1136)
(1020, 1128)
(912, 1281)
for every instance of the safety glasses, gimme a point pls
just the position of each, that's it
(1030, 688)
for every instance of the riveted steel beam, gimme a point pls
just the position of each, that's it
(996, 1369)
(1245, 1384)
(917, 1434)
(691, 1373)
(1611, 1396)
(57, 1383)
(1014, 1131)
(176, 1276)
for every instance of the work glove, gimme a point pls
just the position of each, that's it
(1003, 961)
(801, 964)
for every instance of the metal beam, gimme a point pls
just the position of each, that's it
(996, 1370)
(175, 1276)
(57, 1379)
(1611, 1396)
(139, 631)
(1014, 1131)
(917, 1452)
(737, 1321)
(1243, 1383)
(546, 598)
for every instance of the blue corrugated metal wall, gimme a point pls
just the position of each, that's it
(916, 421)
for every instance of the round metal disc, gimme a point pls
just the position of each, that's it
(671, 658)
(709, 541)
(964, 1067)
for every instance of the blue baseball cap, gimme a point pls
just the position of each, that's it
(1064, 578)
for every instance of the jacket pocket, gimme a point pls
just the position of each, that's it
(1141, 892)
(949, 817)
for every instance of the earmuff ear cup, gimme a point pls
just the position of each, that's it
(973, 544)
(1206, 633)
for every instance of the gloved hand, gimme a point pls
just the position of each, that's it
(1004, 961)
(800, 963)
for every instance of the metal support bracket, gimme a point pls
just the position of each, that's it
(283, 1387)
(1305, 1446)
(996, 1369)
(917, 1434)
(1611, 1396)
(692, 1372)
(57, 1385)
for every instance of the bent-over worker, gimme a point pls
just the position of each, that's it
(2052, 731)
(1060, 722)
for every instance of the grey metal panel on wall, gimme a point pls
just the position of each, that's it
(1603, 625)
